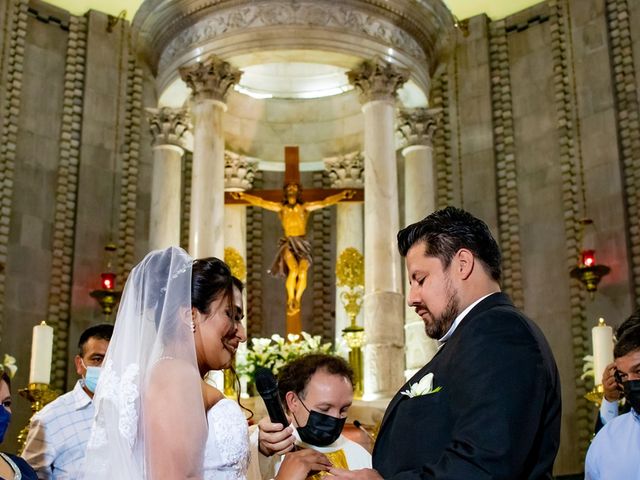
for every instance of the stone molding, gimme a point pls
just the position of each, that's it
(14, 46)
(627, 111)
(211, 79)
(239, 172)
(346, 171)
(416, 126)
(377, 79)
(570, 167)
(129, 165)
(421, 30)
(255, 266)
(322, 284)
(442, 141)
(185, 205)
(61, 283)
(168, 125)
(505, 160)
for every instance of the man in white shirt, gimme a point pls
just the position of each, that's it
(58, 434)
(614, 450)
(316, 391)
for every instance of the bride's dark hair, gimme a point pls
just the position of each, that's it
(211, 278)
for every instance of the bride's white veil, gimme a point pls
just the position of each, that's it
(149, 421)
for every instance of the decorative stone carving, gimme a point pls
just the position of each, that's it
(210, 79)
(168, 125)
(377, 80)
(416, 126)
(346, 171)
(239, 172)
(302, 14)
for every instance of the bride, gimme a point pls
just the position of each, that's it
(155, 416)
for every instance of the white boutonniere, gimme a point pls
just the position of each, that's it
(423, 387)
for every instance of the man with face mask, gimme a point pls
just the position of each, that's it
(58, 434)
(316, 391)
(613, 451)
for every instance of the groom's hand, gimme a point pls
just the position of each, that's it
(273, 438)
(364, 474)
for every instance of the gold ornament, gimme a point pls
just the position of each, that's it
(350, 268)
(236, 263)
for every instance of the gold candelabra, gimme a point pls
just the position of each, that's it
(39, 394)
(350, 275)
(595, 395)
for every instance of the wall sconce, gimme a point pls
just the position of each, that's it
(107, 295)
(588, 271)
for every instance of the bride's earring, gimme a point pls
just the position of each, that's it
(193, 327)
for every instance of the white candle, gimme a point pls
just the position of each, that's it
(41, 353)
(602, 336)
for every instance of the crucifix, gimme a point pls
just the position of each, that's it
(294, 251)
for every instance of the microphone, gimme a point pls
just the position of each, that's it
(358, 425)
(267, 387)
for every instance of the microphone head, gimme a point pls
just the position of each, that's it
(357, 424)
(265, 380)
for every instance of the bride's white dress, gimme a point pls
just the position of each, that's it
(226, 455)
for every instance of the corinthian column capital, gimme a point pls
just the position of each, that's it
(346, 171)
(238, 172)
(210, 79)
(416, 126)
(168, 125)
(377, 80)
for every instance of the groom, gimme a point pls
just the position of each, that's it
(492, 410)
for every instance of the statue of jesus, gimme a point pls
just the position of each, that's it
(294, 253)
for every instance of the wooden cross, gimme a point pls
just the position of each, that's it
(292, 175)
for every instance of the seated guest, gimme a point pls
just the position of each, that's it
(11, 467)
(58, 433)
(316, 391)
(612, 454)
(610, 407)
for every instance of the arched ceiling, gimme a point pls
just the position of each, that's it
(495, 9)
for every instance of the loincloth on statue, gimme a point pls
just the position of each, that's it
(338, 459)
(298, 246)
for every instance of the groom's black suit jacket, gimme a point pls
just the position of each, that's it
(497, 415)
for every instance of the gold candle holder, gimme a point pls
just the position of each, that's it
(354, 336)
(39, 394)
(230, 381)
(350, 273)
(596, 395)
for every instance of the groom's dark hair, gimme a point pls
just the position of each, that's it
(295, 375)
(446, 231)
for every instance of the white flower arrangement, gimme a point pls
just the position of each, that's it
(8, 366)
(422, 387)
(275, 352)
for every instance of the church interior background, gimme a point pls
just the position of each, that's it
(128, 129)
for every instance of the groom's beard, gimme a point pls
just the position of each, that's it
(441, 324)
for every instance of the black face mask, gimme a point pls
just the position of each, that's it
(321, 429)
(632, 393)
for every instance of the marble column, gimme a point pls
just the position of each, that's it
(210, 82)
(378, 82)
(346, 171)
(167, 126)
(416, 127)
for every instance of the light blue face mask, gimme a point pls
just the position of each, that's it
(91, 377)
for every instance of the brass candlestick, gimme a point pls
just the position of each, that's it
(39, 394)
(596, 395)
(350, 273)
